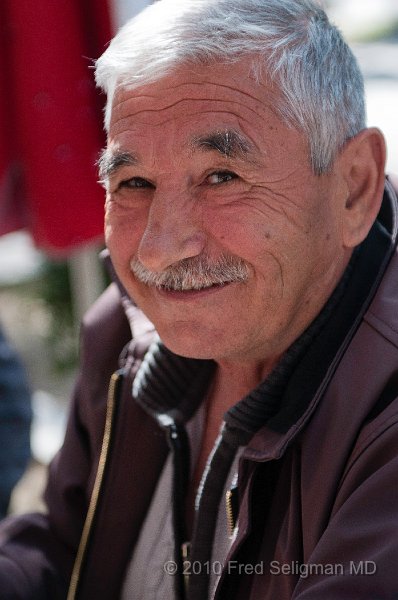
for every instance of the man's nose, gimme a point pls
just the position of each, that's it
(172, 233)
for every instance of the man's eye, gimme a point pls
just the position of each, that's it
(220, 177)
(135, 182)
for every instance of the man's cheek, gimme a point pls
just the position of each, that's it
(112, 229)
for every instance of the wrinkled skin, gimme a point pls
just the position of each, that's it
(258, 201)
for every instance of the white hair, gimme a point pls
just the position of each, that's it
(291, 42)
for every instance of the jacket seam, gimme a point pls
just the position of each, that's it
(371, 318)
(373, 435)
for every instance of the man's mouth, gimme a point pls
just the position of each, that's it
(193, 288)
(191, 292)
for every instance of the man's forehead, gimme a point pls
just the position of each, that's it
(207, 84)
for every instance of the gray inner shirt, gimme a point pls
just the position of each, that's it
(147, 576)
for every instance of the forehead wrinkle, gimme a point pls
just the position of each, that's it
(195, 90)
(164, 106)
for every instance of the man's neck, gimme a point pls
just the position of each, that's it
(231, 382)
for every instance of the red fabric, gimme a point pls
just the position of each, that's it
(51, 119)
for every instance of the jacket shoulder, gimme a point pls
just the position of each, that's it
(104, 332)
(114, 330)
(105, 310)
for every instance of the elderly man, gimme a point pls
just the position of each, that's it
(249, 448)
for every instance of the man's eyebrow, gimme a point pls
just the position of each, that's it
(112, 160)
(229, 143)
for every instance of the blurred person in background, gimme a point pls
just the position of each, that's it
(247, 446)
(15, 421)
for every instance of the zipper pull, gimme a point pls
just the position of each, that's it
(186, 567)
(186, 550)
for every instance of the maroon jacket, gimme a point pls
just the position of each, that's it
(318, 484)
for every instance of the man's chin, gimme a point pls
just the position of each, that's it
(189, 345)
(188, 350)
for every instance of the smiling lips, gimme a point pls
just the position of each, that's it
(191, 293)
(195, 288)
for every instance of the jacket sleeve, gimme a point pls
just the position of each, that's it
(15, 420)
(37, 551)
(357, 556)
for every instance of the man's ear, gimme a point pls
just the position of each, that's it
(362, 162)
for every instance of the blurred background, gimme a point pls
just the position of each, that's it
(51, 207)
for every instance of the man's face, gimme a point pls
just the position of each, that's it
(202, 170)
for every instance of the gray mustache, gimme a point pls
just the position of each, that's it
(194, 273)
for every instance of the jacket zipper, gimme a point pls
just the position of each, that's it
(88, 524)
(178, 443)
(185, 553)
(231, 522)
(232, 509)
